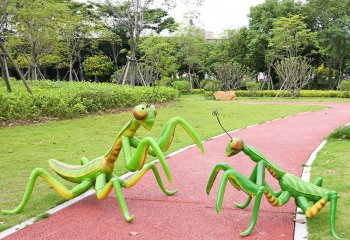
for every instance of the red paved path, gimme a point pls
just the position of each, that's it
(190, 214)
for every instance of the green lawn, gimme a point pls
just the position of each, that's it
(23, 148)
(332, 163)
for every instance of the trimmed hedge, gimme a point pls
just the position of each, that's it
(72, 99)
(303, 93)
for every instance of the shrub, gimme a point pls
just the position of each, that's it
(252, 87)
(209, 95)
(198, 91)
(211, 85)
(303, 93)
(72, 99)
(341, 133)
(345, 86)
(182, 86)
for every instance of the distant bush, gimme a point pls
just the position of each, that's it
(345, 86)
(71, 99)
(211, 85)
(252, 87)
(182, 86)
(303, 93)
(198, 91)
(341, 133)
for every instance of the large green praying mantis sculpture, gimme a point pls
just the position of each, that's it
(291, 186)
(99, 172)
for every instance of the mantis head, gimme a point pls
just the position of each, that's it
(145, 115)
(234, 147)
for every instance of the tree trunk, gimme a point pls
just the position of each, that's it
(5, 71)
(330, 78)
(81, 72)
(70, 68)
(3, 48)
(191, 79)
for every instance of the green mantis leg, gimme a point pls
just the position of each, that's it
(137, 160)
(257, 176)
(167, 135)
(253, 179)
(241, 183)
(137, 176)
(59, 187)
(248, 187)
(318, 181)
(103, 189)
(311, 211)
(141, 150)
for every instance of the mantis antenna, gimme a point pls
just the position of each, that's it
(216, 114)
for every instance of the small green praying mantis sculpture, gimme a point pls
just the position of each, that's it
(256, 185)
(98, 173)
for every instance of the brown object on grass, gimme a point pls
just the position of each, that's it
(225, 96)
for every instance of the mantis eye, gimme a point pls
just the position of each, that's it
(140, 112)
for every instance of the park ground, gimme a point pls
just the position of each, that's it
(32, 145)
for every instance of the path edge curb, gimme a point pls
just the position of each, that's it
(300, 224)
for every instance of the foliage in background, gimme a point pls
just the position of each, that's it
(159, 54)
(98, 65)
(231, 74)
(182, 86)
(345, 86)
(253, 88)
(295, 73)
(302, 93)
(72, 99)
(211, 85)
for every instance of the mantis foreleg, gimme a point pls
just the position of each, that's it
(136, 161)
(141, 152)
(137, 176)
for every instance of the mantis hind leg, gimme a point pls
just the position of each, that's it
(59, 187)
(137, 176)
(311, 211)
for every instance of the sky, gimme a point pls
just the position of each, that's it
(217, 15)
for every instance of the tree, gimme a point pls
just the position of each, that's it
(98, 65)
(331, 20)
(290, 37)
(295, 72)
(231, 74)
(4, 22)
(191, 49)
(79, 28)
(135, 15)
(236, 45)
(36, 24)
(159, 54)
(261, 19)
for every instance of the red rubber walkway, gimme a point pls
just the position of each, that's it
(190, 214)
